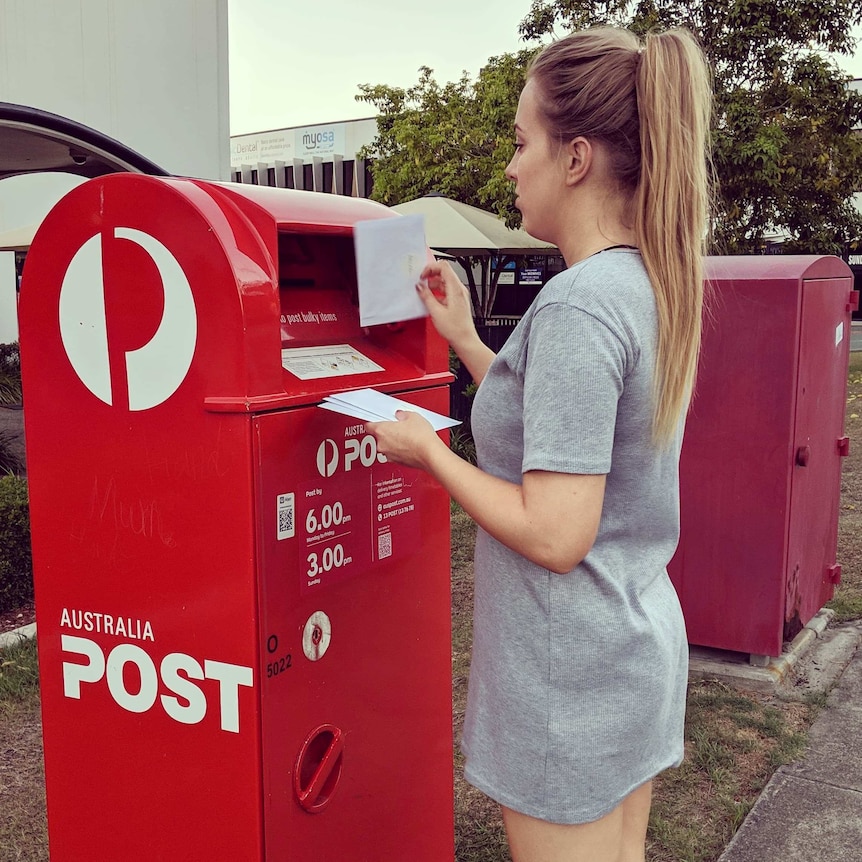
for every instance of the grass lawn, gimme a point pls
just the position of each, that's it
(23, 831)
(847, 603)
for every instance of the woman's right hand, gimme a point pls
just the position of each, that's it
(448, 303)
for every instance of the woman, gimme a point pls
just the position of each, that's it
(577, 686)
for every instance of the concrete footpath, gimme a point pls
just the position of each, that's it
(812, 809)
(8, 639)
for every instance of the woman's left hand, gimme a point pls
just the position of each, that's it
(408, 441)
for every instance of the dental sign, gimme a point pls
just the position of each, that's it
(319, 141)
(153, 371)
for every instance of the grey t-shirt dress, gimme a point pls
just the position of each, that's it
(577, 684)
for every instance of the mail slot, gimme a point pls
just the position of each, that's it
(243, 609)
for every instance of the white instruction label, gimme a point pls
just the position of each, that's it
(334, 360)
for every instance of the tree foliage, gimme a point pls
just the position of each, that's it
(786, 157)
(455, 139)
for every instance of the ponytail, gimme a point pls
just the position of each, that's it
(674, 105)
(651, 106)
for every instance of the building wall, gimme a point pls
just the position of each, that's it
(320, 158)
(152, 75)
(302, 142)
(8, 298)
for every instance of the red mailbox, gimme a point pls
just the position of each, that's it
(243, 610)
(760, 473)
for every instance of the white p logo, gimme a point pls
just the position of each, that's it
(156, 370)
(327, 458)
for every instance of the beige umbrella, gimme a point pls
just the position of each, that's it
(18, 239)
(472, 235)
(465, 230)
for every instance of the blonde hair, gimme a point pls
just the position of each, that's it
(650, 105)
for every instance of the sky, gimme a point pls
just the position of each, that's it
(300, 63)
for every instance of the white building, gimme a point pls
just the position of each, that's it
(321, 158)
(152, 75)
(88, 87)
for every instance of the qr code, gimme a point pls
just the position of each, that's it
(285, 507)
(384, 545)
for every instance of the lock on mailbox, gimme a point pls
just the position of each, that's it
(243, 609)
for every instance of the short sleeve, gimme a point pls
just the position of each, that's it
(573, 379)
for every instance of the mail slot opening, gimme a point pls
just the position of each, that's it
(323, 343)
(322, 262)
(317, 288)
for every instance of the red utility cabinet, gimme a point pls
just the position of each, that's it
(243, 610)
(760, 472)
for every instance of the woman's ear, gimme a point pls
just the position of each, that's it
(578, 159)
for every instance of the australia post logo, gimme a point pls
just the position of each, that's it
(357, 451)
(153, 371)
(185, 687)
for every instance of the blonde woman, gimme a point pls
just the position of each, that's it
(578, 679)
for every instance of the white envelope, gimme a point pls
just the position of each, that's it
(372, 406)
(390, 255)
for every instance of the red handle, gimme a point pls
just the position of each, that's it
(318, 767)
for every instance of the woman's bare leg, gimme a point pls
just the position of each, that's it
(617, 837)
(636, 808)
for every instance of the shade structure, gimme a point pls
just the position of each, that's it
(477, 239)
(33, 140)
(18, 239)
(37, 142)
(464, 230)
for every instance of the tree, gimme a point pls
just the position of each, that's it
(786, 156)
(454, 139)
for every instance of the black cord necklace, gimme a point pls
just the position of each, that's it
(612, 247)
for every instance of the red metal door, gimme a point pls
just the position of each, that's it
(355, 652)
(734, 484)
(816, 469)
(760, 466)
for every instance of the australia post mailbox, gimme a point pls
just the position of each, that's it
(243, 609)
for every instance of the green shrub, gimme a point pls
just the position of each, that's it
(461, 443)
(10, 358)
(10, 461)
(10, 374)
(16, 562)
